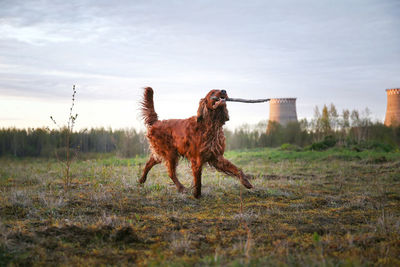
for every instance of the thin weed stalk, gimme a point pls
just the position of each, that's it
(68, 132)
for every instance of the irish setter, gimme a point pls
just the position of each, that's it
(199, 138)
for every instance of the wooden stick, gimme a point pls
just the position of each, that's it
(248, 100)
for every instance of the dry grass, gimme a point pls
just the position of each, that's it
(334, 208)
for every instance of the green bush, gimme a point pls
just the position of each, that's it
(328, 142)
(290, 147)
(373, 145)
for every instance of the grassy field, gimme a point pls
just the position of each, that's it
(332, 208)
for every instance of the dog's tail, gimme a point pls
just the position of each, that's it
(149, 115)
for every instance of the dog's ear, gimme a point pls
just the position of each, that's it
(202, 110)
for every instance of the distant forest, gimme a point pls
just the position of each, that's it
(328, 128)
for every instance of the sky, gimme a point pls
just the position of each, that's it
(345, 52)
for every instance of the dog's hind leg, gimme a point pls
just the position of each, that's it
(171, 165)
(149, 164)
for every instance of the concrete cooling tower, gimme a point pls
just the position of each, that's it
(282, 110)
(393, 107)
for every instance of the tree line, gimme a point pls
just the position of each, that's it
(43, 142)
(327, 128)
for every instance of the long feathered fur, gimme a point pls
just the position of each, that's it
(148, 113)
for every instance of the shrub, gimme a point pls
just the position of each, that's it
(328, 142)
(290, 147)
(373, 145)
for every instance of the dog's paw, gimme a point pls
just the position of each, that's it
(246, 183)
(182, 189)
(197, 194)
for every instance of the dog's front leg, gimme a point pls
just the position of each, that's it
(197, 169)
(224, 165)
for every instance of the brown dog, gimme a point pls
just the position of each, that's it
(199, 138)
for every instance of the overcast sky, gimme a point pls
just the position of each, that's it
(322, 52)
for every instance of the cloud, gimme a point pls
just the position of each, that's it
(314, 50)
